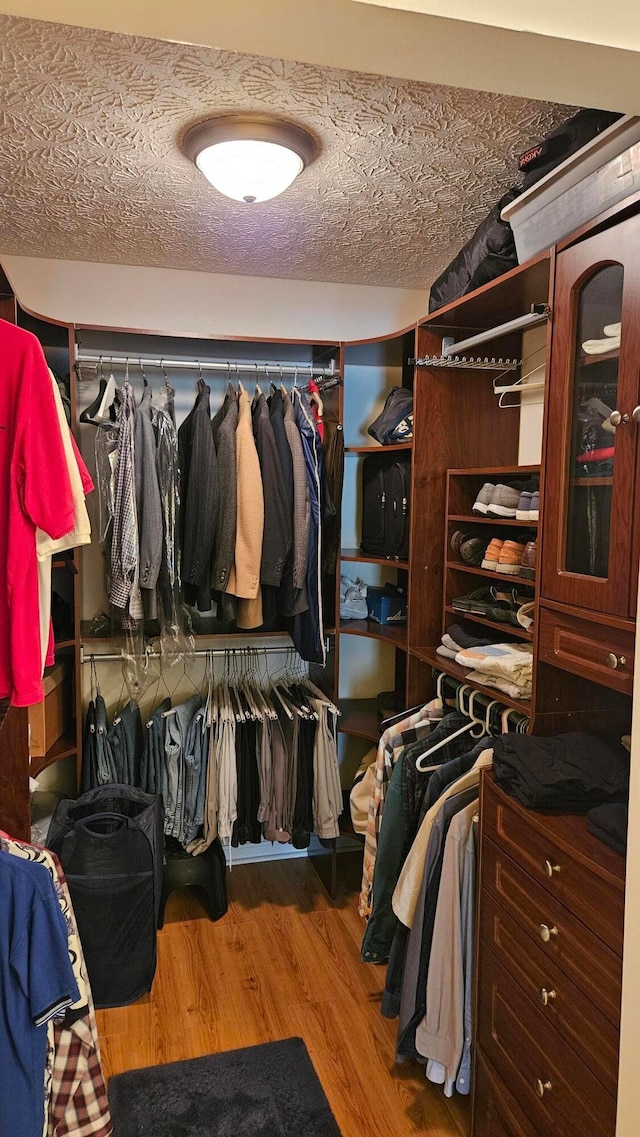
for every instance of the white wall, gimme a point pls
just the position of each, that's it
(174, 302)
(531, 403)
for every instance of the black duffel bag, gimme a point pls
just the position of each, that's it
(488, 254)
(395, 422)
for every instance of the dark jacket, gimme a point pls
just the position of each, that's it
(199, 500)
(277, 536)
(224, 425)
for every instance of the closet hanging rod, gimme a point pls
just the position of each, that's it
(271, 370)
(538, 315)
(113, 657)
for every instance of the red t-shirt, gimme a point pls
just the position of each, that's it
(34, 492)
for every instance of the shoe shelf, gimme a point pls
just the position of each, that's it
(394, 634)
(586, 360)
(371, 559)
(503, 579)
(360, 718)
(450, 667)
(475, 519)
(587, 481)
(506, 629)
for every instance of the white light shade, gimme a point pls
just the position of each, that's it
(249, 157)
(250, 171)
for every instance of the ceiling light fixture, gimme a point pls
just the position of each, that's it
(249, 157)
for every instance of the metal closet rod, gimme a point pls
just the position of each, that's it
(112, 657)
(231, 368)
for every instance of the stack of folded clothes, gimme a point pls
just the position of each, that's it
(571, 773)
(456, 638)
(508, 667)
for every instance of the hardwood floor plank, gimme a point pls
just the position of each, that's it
(284, 961)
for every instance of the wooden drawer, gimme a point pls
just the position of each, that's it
(495, 1112)
(596, 898)
(592, 1036)
(530, 1056)
(582, 647)
(584, 959)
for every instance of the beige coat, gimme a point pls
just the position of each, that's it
(244, 579)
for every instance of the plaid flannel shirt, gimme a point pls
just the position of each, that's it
(392, 741)
(75, 1093)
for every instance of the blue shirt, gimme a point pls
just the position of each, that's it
(36, 984)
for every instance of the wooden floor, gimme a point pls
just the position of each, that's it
(284, 961)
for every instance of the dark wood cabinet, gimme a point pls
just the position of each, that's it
(551, 904)
(591, 445)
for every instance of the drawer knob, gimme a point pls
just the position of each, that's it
(546, 996)
(617, 417)
(614, 660)
(542, 1087)
(550, 868)
(546, 932)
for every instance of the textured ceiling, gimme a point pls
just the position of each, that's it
(90, 167)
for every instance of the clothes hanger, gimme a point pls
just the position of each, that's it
(466, 729)
(101, 409)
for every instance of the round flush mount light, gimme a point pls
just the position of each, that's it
(249, 158)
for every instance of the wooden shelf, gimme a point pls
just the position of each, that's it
(504, 629)
(501, 578)
(586, 360)
(394, 634)
(378, 449)
(360, 718)
(496, 471)
(510, 295)
(606, 481)
(476, 519)
(450, 667)
(371, 559)
(58, 645)
(63, 748)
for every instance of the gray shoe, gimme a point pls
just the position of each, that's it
(484, 497)
(504, 501)
(534, 509)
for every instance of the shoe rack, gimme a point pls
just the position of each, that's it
(459, 578)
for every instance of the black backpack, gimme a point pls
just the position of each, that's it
(386, 483)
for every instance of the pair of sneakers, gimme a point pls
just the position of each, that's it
(511, 557)
(353, 599)
(503, 501)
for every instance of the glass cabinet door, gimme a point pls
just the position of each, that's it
(598, 320)
(589, 474)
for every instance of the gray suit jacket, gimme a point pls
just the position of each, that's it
(148, 503)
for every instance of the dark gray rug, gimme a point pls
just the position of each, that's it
(262, 1091)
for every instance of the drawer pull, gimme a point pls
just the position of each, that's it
(547, 996)
(613, 661)
(550, 868)
(542, 1087)
(546, 932)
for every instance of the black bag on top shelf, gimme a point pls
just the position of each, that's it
(488, 254)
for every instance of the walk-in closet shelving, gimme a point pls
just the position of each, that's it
(372, 656)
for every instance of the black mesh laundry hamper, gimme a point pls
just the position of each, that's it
(110, 844)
